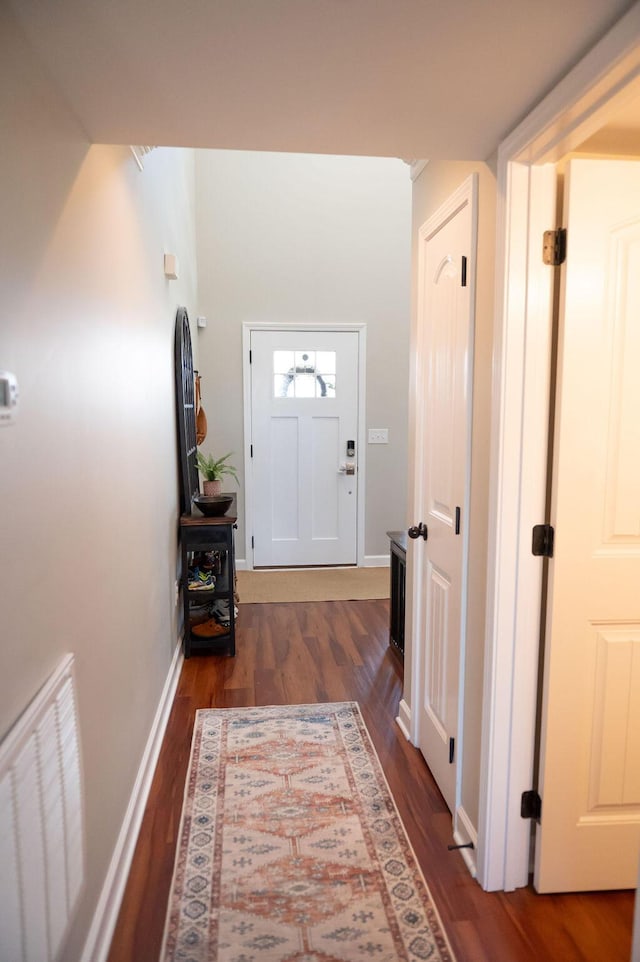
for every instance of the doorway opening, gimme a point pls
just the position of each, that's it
(606, 81)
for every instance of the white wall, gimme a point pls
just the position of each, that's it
(301, 238)
(434, 185)
(88, 475)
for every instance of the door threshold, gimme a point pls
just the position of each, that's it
(303, 567)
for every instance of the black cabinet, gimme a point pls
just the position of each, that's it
(207, 547)
(398, 566)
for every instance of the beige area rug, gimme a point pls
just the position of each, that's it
(313, 584)
(291, 848)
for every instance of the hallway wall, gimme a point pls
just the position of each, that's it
(319, 240)
(88, 471)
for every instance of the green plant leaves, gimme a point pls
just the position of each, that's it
(214, 469)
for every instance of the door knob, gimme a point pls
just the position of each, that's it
(419, 531)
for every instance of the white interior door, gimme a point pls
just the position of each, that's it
(445, 320)
(304, 431)
(589, 833)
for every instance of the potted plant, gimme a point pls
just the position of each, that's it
(213, 471)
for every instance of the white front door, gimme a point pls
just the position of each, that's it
(445, 322)
(304, 431)
(589, 833)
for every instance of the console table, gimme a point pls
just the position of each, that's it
(200, 534)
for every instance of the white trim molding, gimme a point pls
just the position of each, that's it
(464, 832)
(376, 561)
(139, 154)
(416, 167)
(403, 719)
(607, 77)
(96, 947)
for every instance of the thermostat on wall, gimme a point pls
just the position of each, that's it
(8, 397)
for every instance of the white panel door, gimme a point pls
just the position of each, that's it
(446, 322)
(304, 411)
(589, 833)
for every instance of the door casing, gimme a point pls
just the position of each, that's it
(361, 330)
(607, 77)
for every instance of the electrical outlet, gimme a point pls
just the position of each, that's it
(378, 435)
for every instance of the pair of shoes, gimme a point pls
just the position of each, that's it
(199, 615)
(208, 561)
(208, 629)
(199, 580)
(220, 611)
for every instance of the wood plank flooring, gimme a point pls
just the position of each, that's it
(338, 651)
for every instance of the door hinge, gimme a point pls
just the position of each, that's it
(457, 529)
(250, 356)
(252, 542)
(251, 446)
(530, 805)
(452, 750)
(554, 247)
(463, 272)
(542, 540)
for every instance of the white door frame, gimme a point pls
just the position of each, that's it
(361, 331)
(576, 108)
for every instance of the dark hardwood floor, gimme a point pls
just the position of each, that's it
(337, 651)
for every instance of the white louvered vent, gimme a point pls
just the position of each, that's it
(41, 824)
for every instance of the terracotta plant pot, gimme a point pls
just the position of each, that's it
(211, 487)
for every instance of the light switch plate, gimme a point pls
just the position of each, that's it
(378, 435)
(171, 267)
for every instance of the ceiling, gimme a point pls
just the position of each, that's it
(408, 78)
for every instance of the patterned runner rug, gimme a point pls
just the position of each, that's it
(291, 848)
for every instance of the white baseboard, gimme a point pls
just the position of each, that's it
(403, 719)
(465, 831)
(96, 947)
(241, 564)
(376, 561)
